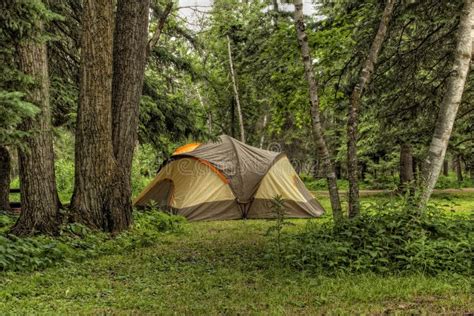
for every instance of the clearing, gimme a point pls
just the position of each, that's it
(220, 268)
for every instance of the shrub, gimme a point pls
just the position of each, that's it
(279, 212)
(78, 242)
(389, 237)
(448, 182)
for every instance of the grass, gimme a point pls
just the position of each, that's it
(220, 268)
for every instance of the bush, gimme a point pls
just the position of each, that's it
(390, 237)
(449, 182)
(77, 242)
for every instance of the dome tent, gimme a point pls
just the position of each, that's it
(228, 179)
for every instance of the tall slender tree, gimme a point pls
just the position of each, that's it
(129, 60)
(236, 91)
(450, 103)
(406, 167)
(355, 100)
(4, 179)
(96, 171)
(318, 134)
(39, 198)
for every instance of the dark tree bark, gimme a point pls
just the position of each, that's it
(275, 6)
(453, 164)
(450, 104)
(96, 169)
(338, 170)
(129, 60)
(355, 100)
(415, 168)
(363, 170)
(445, 168)
(458, 164)
(39, 198)
(5, 166)
(471, 167)
(318, 134)
(406, 167)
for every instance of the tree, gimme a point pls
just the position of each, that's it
(450, 103)
(236, 91)
(129, 60)
(355, 100)
(39, 199)
(406, 167)
(96, 170)
(320, 142)
(4, 179)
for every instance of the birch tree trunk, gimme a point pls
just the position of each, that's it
(39, 198)
(236, 92)
(96, 170)
(5, 166)
(264, 124)
(450, 103)
(129, 60)
(357, 92)
(318, 134)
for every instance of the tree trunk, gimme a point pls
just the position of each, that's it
(352, 133)
(129, 60)
(450, 103)
(126, 7)
(262, 138)
(236, 92)
(445, 168)
(4, 179)
(363, 170)
(39, 198)
(338, 170)
(415, 168)
(459, 176)
(319, 141)
(96, 169)
(232, 118)
(406, 167)
(471, 168)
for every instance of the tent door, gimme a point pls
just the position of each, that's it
(244, 208)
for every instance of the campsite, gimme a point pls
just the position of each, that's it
(227, 157)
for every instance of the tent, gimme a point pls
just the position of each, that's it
(228, 179)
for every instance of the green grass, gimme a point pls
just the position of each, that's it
(219, 268)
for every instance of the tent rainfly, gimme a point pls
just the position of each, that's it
(228, 179)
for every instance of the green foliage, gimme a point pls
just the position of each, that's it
(448, 182)
(20, 22)
(144, 167)
(77, 242)
(390, 237)
(217, 268)
(13, 109)
(321, 184)
(279, 211)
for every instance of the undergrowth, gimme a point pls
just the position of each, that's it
(77, 242)
(389, 237)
